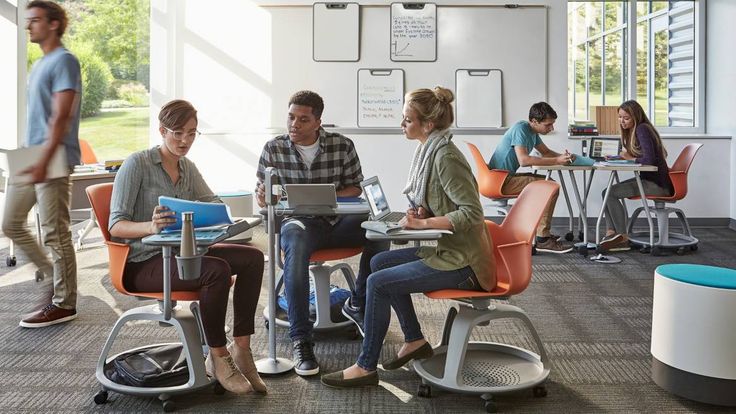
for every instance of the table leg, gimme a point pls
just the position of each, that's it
(582, 207)
(570, 213)
(603, 208)
(166, 253)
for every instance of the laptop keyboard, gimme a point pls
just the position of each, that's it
(393, 216)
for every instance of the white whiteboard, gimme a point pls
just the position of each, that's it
(380, 97)
(414, 32)
(478, 98)
(336, 32)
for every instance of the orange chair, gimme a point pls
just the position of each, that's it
(488, 368)
(320, 274)
(88, 157)
(666, 239)
(186, 319)
(490, 182)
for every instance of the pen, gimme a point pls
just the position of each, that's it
(411, 202)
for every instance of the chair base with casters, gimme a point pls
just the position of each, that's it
(665, 239)
(320, 274)
(482, 368)
(185, 318)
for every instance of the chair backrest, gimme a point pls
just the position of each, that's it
(489, 181)
(88, 155)
(512, 240)
(99, 198)
(679, 170)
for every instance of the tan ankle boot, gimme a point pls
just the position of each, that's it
(229, 376)
(244, 360)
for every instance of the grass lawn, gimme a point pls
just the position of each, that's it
(116, 133)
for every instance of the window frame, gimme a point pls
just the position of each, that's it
(629, 61)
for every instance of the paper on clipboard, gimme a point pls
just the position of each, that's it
(205, 214)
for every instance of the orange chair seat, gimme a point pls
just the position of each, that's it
(498, 291)
(671, 198)
(339, 253)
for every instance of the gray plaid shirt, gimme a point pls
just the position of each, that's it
(139, 182)
(336, 162)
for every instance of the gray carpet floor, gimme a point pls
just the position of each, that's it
(594, 319)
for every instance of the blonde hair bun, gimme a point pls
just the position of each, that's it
(443, 95)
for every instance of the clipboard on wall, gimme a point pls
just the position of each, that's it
(335, 32)
(413, 32)
(479, 98)
(380, 97)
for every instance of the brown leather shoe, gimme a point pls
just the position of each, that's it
(47, 316)
(244, 360)
(228, 375)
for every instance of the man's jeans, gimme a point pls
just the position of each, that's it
(53, 207)
(396, 275)
(300, 237)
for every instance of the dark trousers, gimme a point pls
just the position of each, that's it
(221, 262)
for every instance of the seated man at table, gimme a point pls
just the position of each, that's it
(515, 150)
(309, 154)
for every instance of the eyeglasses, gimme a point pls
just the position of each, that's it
(180, 135)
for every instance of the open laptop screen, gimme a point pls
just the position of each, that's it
(376, 197)
(600, 148)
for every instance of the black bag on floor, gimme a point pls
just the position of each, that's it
(160, 366)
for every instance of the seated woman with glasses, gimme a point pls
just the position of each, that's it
(135, 213)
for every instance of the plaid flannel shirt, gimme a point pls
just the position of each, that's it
(336, 162)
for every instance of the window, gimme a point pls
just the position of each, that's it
(111, 41)
(665, 75)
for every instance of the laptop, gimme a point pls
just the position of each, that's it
(600, 148)
(316, 198)
(380, 211)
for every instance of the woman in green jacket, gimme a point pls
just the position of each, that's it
(443, 189)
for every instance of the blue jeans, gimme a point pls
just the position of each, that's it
(300, 237)
(396, 275)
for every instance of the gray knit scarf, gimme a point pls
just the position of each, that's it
(421, 166)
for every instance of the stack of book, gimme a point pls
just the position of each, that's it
(105, 166)
(580, 128)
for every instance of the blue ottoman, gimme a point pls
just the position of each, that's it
(694, 332)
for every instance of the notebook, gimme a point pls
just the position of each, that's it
(13, 162)
(311, 198)
(600, 148)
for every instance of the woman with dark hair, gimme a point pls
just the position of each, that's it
(641, 144)
(443, 189)
(135, 213)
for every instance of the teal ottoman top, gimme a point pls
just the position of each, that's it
(702, 275)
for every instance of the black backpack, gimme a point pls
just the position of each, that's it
(160, 366)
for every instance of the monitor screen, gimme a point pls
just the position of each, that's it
(376, 198)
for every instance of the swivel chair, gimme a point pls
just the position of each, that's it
(489, 368)
(87, 157)
(490, 182)
(320, 273)
(186, 319)
(666, 239)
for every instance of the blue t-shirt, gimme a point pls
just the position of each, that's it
(520, 134)
(57, 71)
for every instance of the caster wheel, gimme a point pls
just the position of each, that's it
(101, 397)
(694, 247)
(539, 391)
(534, 250)
(168, 406)
(583, 250)
(680, 251)
(581, 236)
(569, 236)
(424, 391)
(219, 389)
(490, 407)
(39, 275)
(10, 261)
(656, 251)
(265, 323)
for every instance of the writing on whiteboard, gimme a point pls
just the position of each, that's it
(413, 32)
(375, 104)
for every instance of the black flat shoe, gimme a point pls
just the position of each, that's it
(424, 351)
(337, 380)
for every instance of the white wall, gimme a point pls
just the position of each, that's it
(206, 54)
(721, 82)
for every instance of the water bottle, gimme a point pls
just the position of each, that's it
(188, 246)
